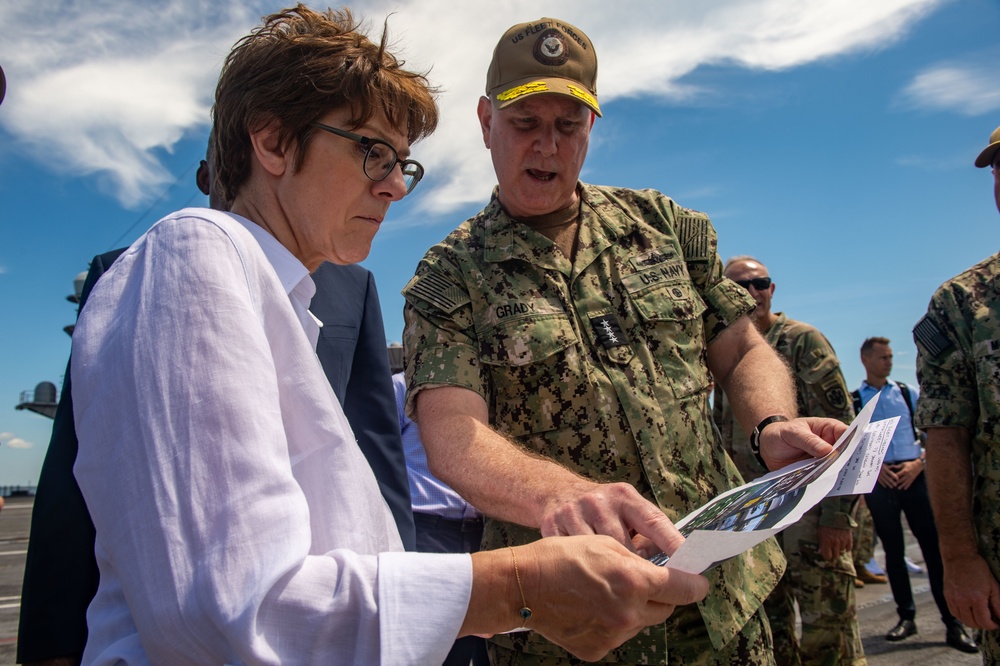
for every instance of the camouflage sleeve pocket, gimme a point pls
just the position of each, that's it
(437, 290)
(820, 364)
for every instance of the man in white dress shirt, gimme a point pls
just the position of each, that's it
(237, 521)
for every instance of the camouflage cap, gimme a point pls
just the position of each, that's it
(547, 56)
(986, 157)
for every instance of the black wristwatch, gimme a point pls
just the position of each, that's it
(755, 436)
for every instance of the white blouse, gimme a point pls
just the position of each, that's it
(237, 520)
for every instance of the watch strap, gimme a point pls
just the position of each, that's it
(755, 436)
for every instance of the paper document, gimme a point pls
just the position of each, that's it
(743, 517)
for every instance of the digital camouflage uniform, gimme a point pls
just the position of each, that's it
(958, 369)
(599, 364)
(824, 590)
(864, 536)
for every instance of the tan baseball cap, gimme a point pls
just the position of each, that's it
(986, 157)
(547, 56)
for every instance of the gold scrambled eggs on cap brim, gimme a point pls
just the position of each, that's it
(522, 88)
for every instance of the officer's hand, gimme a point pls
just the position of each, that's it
(972, 592)
(614, 509)
(786, 442)
(833, 541)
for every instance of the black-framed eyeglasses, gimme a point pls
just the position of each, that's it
(380, 158)
(759, 283)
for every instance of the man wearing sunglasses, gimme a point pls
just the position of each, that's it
(958, 353)
(820, 574)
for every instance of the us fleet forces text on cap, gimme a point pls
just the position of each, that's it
(541, 26)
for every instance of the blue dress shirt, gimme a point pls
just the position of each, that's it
(428, 493)
(891, 403)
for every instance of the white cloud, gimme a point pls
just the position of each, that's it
(102, 87)
(968, 89)
(8, 439)
(650, 57)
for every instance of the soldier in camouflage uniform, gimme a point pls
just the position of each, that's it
(558, 351)
(820, 574)
(958, 368)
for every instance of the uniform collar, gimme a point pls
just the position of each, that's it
(504, 238)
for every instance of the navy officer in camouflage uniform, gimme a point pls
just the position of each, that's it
(820, 574)
(958, 368)
(558, 351)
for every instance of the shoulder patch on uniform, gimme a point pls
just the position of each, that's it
(835, 396)
(438, 291)
(693, 235)
(927, 334)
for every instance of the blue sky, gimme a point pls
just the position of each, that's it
(832, 140)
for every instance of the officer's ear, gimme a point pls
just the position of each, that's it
(485, 113)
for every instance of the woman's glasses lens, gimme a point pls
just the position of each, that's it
(380, 160)
(412, 173)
